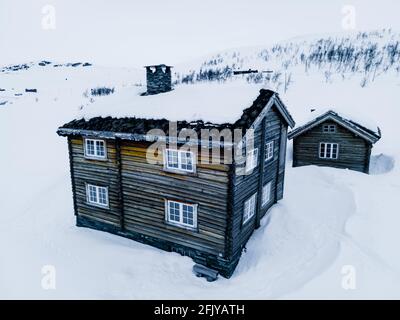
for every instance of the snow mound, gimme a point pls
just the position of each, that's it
(381, 164)
(296, 247)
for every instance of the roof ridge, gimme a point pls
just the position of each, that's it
(364, 132)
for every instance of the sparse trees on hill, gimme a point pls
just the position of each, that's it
(370, 54)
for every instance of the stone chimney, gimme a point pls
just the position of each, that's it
(158, 78)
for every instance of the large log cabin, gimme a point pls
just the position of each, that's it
(332, 140)
(203, 210)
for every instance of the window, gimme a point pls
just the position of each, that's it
(249, 208)
(328, 150)
(251, 159)
(180, 160)
(181, 214)
(329, 128)
(269, 150)
(266, 194)
(95, 149)
(97, 195)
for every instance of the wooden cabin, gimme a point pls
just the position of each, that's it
(333, 141)
(202, 210)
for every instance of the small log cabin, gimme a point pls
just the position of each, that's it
(206, 211)
(334, 141)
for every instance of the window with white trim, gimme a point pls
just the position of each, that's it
(95, 149)
(252, 159)
(328, 128)
(97, 195)
(266, 194)
(269, 150)
(179, 160)
(328, 150)
(249, 208)
(181, 214)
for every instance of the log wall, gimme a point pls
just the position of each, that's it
(244, 186)
(147, 186)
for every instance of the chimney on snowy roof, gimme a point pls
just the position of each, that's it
(158, 78)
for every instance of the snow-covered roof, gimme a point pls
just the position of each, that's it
(128, 114)
(215, 103)
(158, 65)
(361, 119)
(365, 129)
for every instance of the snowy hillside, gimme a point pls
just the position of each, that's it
(328, 219)
(369, 54)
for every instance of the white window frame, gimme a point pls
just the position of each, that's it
(249, 208)
(251, 159)
(180, 168)
(180, 223)
(269, 150)
(330, 156)
(96, 154)
(330, 128)
(266, 194)
(97, 201)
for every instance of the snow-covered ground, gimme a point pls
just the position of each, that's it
(328, 220)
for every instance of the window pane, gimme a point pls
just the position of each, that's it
(246, 210)
(253, 205)
(269, 150)
(255, 157)
(103, 196)
(328, 150)
(187, 161)
(90, 147)
(100, 148)
(266, 196)
(187, 212)
(252, 159)
(174, 211)
(334, 151)
(172, 158)
(322, 150)
(249, 208)
(92, 194)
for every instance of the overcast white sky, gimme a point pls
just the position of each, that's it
(138, 32)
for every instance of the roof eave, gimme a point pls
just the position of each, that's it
(66, 132)
(284, 111)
